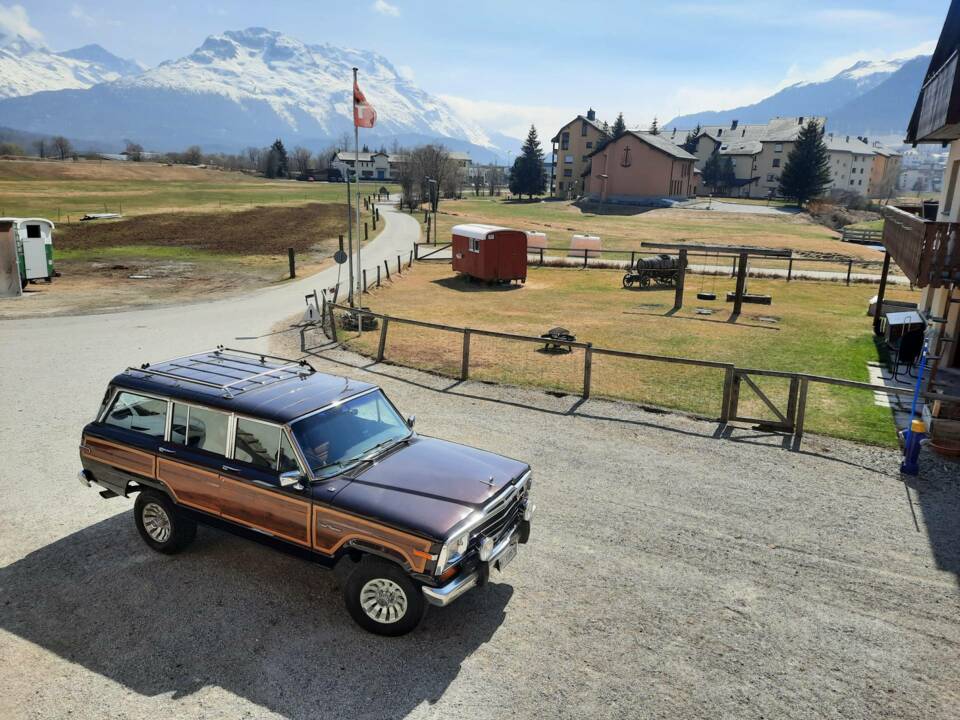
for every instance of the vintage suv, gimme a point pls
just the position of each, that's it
(322, 463)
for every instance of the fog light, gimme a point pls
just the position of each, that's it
(528, 511)
(486, 549)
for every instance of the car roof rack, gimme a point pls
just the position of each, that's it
(229, 370)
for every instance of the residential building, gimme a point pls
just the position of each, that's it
(924, 244)
(638, 168)
(572, 146)
(372, 165)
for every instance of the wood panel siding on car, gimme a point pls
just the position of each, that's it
(269, 510)
(121, 456)
(333, 529)
(190, 485)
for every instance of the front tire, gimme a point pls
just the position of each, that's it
(382, 598)
(161, 524)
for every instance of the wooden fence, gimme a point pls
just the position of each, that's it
(788, 418)
(864, 237)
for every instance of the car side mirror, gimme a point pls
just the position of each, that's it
(291, 478)
(411, 420)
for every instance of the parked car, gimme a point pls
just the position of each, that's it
(316, 461)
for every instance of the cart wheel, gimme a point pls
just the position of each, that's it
(627, 281)
(645, 281)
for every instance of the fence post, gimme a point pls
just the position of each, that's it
(790, 269)
(801, 412)
(374, 218)
(387, 268)
(733, 268)
(541, 256)
(293, 263)
(383, 338)
(378, 276)
(849, 270)
(587, 369)
(416, 251)
(364, 280)
(399, 270)
(465, 357)
(727, 389)
(681, 278)
(741, 283)
(366, 230)
(333, 322)
(410, 261)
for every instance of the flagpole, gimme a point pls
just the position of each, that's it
(356, 164)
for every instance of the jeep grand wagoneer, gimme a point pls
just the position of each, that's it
(324, 463)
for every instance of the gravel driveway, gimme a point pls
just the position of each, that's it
(671, 574)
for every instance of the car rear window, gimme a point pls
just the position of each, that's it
(257, 443)
(199, 428)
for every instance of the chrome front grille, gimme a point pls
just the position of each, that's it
(502, 517)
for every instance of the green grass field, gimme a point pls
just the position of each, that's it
(64, 191)
(816, 328)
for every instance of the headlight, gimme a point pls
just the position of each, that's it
(452, 551)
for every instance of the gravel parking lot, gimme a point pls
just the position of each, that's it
(671, 573)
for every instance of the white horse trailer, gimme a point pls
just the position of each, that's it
(26, 253)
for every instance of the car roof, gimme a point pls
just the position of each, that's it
(261, 386)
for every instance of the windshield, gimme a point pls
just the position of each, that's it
(337, 438)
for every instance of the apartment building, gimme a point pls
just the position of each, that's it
(387, 166)
(572, 146)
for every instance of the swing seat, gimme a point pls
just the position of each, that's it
(706, 296)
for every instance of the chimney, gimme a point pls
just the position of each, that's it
(733, 125)
(800, 120)
(591, 114)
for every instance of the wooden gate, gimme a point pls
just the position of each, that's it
(779, 409)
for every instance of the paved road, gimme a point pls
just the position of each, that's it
(671, 574)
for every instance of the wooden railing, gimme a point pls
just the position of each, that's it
(928, 252)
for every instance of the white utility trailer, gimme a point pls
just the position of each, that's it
(26, 253)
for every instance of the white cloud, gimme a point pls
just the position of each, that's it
(385, 8)
(512, 119)
(14, 21)
(80, 15)
(831, 66)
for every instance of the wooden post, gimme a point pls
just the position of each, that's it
(733, 268)
(378, 276)
(374, 219)
(399, 269)
(383, 338)
(428, 228)
(465, 356)
(410, 261)
(366, 230)
(801, 412)
(541, 256)
(587, 369)
(741, 283)
(878, 313)
(387, 268)
(364, 280)
(293, 263)
(727, 389)
(333, 320)
(790, 269)
(849, 270)
(416, 251)
(584, 257)
(681, 279)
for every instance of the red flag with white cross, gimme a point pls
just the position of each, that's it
(363, 113)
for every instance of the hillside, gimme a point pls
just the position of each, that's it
(875, 98)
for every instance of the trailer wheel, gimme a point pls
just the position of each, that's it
(644, 281)
(627, 281)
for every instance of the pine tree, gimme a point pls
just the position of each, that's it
(806, 173)
(527, 176)
(619, 127)
(654, 126)
(712, 172)
(728, 174)
(277, 165)
(690, 142)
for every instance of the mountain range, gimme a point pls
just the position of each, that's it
(238, 88)
(873, 98)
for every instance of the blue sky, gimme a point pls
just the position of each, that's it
(507, 64)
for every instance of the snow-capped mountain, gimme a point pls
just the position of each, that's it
(869, 96)
(27, 68)
(246, 88)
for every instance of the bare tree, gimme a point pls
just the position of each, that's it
(301, 160)
(193, 155)
(494, 180)
(477, 181)
(41, 147)
(134, 151)
(62, 147)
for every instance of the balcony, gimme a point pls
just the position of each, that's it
(939, 106)
(927, 252)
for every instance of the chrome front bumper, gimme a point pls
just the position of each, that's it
(446, 594)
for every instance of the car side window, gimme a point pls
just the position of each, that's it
(199, 428)
(139, 413)
(287, 460)
(257, 443)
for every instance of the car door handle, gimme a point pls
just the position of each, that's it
(167, 451)
(227, 468)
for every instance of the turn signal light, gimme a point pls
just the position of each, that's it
(449, 573)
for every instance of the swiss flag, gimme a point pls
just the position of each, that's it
(363, 113)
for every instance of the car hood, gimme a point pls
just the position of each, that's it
(426, 485)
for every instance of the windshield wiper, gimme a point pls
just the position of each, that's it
(386, 445)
